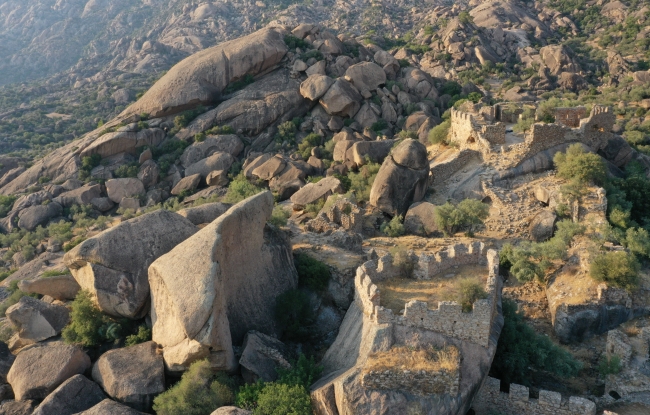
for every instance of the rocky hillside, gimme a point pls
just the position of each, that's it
(327, 209)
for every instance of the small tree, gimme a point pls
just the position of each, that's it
(239, 189)
(294, 314)
(617, 268)
(580, 165)
(312, 273)
(394, 228)
(469, 291)
(280, 399)
(85, 322)
(439, 133)
(610, 365)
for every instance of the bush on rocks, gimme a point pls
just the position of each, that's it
(199, 392)
(312, 273)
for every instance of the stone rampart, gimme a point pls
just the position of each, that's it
(417, 382)
(491, 400)
(468, 133)
(448, 318)
(443, 171)
(617, 345)
(570, 116)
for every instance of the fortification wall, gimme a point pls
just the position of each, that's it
(462, 128)
(418, 383)
(445, 170)
(617, 346)
(596, 130)
(448, 318)
(570, 116)
(494, 133)
(490, 399)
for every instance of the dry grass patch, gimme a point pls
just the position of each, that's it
(408, 358)
(447, 286)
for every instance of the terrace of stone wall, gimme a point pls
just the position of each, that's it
(491, 400)
(448, 318)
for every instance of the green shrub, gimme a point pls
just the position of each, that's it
(610, 366)
(279, 216)
(199, 392)
(361, 182)
(303, 372)
(465, 18)
(85, 322)
(294, 315)
(576, 164)
(379, 126)
(394, 228)
(239, 84)
(308, 143)
(286, 132)
(55, 273)
(466, 215)
(143, 335)
(279, 399)
(618, 268)
(638, 241)
(240, 188)
(220, 130)
(469, 291)
(521, 350)
(127, 170)
(247, 395)
(312, 273)
(402, 261)
(295, 42)
(6, 203)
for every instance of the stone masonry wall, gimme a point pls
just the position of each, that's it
(490, 399)
(468, 133)
(448, 318)
(418, 383)
(570, 116)
(442, 171)
(617, 346)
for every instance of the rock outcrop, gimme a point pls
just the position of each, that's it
(109, 407)
(201, 78)
(210, 290)
(113, 264)
(402, 178)
(36, 320)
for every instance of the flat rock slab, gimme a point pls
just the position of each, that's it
(41, 368)
(313, 192)
(37, 320)
(109, 407)
(204, 213)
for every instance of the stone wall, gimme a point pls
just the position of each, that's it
(570, 116)
(490, 399)
(468, 133)
(617, 346)
(418, 383)
(443, 171)
(494, 133)
(448, 318)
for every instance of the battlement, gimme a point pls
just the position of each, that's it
(470, 131)
(448, 318)
(490, 399)
(570, 116)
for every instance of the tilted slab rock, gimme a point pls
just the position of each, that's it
(40, 369)
(217, 161)
(315, 86)
(402, 178)
(37, 320)
(261, 356)
(118, 189)
(204, 213)
(110, 144)
(81, 196)
(74, 395)
(200, 78)
(113, 264)
(342, 99)
(132, 375)
(313, 192)
(109, 407)
(32, 217)
(228, 143)
(210, 290)
(366, 76)
(59, 287)
(17, 407)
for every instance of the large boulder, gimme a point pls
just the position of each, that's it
(270, 168)
(113, 143)
(542, 226)
(200, 78)
(74, 395)
(315, 86)
(41, 368)
(132, 375)
(210, 290)
(420, 219)
(313, 192)
(204, 213)
(342, 99)
(558, 59)
(231, 410)
(186, 184)
(366, 76)
(118, 189)
(375, 151)
(6, 360)
(80, 196)
(34, 216)
(17, 407)
(228, 143)
(59, 287)
(113, 264)
(217, 161)
(262, 355)
(274, 98)
(37, 320)
(109, 407)
(402, 179)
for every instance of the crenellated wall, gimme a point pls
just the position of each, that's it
(448, 318)
(491, 400)
(468, 133)
(570, 116)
